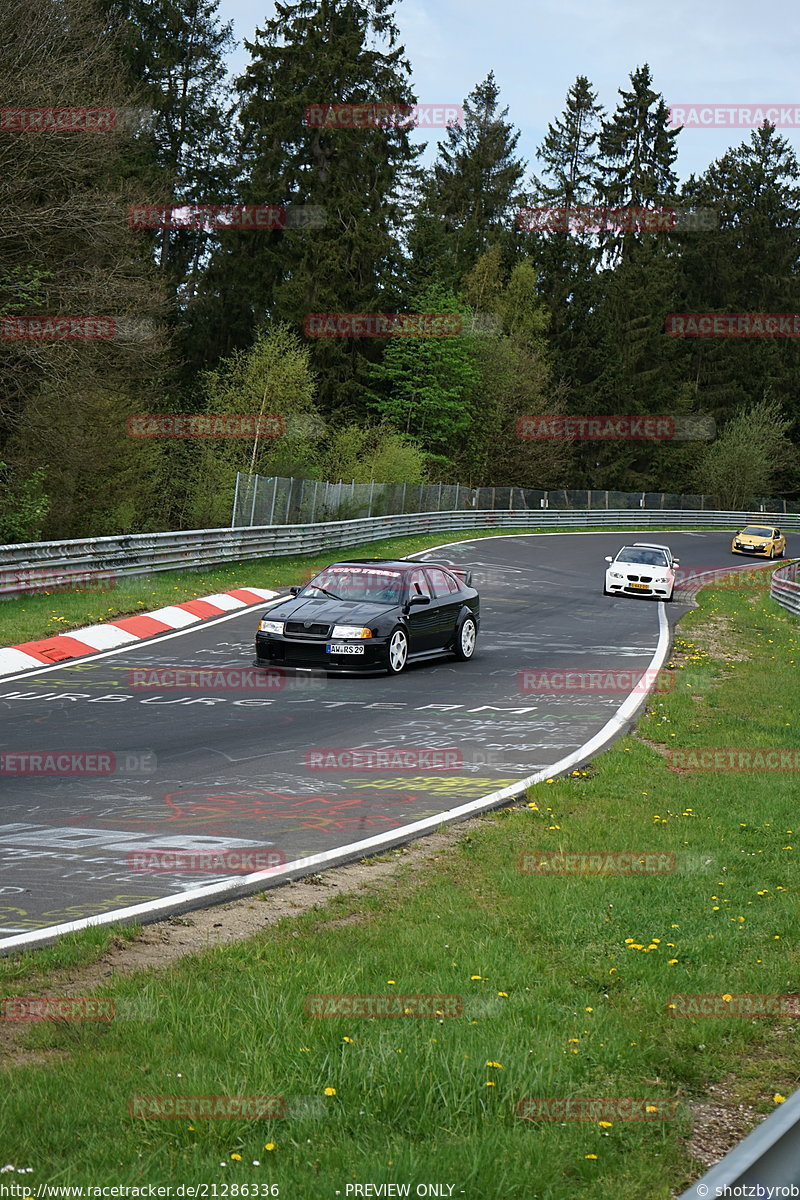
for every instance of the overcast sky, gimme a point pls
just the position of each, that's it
(721, 52)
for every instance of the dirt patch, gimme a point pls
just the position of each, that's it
(718, 1127)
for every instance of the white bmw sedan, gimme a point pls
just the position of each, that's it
(643, 569)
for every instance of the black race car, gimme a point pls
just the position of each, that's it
(372, 615)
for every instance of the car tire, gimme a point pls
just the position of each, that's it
(397, 651)
(466, 636)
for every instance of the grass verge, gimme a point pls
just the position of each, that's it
(564, 983)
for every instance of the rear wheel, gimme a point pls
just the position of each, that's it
(466, 635)
(397, 651)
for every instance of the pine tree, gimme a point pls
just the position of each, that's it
(470, 195)
(317, 53)
(750, 264)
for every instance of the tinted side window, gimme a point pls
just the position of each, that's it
(438, 582)
(418, 584)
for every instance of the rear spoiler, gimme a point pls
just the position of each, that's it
(461, 572)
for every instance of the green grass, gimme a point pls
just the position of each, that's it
(32, 617)
(565, 982)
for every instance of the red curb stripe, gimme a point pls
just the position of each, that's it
(55, 649)
(141, 627)
(248, 597)
(200, 608)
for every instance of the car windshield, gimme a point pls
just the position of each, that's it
(757, 531)
(647, 558)
(358, 583)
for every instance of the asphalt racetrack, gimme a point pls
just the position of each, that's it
(203, 769)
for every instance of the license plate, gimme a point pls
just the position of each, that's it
(343, 648)
(643, 586)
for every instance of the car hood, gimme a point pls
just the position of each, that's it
(752, 539)
(324, 610)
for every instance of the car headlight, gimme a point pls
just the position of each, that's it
(270, 626)
(615, 575)
(351, 631)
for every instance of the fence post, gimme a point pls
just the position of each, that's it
(439, 500)
(314, 501)
(371, 490)
(274, 492)
(235, 501)
(253, 508)
(403, 501)
(289, 499)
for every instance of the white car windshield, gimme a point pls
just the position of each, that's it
(645, 558)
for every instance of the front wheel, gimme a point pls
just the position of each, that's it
(397, 652)
(466, 636)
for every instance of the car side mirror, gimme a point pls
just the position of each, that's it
(414, 600)
(609, 558)
(676, 562)
(295, 590)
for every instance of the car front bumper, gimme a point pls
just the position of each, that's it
(625, 587)
(751, 550)
(275, 650)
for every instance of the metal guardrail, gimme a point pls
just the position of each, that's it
(89, 563)
(785, 588)
(768, 1157)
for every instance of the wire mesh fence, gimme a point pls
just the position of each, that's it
(261, 500)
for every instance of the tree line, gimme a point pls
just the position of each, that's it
(210, 318)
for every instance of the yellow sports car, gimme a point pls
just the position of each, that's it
(759, 539)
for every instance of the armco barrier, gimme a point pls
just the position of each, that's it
(785, 589)
(35, 564)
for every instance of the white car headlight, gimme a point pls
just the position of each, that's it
(351, 631)
(615, 575)
(266, 626)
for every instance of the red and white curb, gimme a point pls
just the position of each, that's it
(78, 643)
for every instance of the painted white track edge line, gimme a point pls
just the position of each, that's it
(327, 858)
